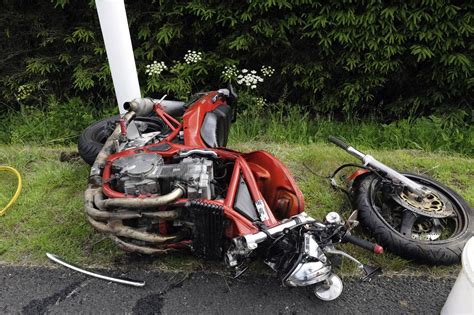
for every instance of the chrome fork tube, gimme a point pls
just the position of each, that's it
(391, 173)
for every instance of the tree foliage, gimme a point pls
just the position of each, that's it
(386, 58)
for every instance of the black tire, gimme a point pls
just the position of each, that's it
(378, 215)
(93, 137)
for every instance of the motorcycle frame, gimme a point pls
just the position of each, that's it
(253, 167)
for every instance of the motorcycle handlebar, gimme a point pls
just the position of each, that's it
(374, 248)
(347, 147)
(338, 142)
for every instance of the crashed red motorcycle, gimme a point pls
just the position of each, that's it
(159, 184)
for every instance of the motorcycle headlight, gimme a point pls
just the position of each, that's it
(311, 266)
(308, 273)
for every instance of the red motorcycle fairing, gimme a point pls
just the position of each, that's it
(194, 116)
(356, 174)
(261, 172)
(276, 184)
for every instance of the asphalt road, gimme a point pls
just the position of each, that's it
(58, 290)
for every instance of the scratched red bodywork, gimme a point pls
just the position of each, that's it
(266, 177)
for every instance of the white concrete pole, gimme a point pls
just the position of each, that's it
(118, 45)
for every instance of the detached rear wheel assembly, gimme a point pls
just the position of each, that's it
(432, 230)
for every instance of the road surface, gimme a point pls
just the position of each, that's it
(37, 290)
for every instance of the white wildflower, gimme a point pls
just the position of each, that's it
(24, 91)
(230, 73)
(260, 102)
(249, 78)
(155, 68)
(192, 56)
(267, 71)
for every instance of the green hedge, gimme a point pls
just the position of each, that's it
(388, 59)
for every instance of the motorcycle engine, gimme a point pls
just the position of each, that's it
(147, 173)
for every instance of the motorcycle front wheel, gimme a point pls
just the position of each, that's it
(425, 239)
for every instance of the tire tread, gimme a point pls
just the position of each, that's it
(432, 253)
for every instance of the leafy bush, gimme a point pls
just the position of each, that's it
(352, 58)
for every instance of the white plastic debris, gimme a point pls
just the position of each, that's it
(461, 297)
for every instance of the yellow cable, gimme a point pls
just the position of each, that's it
(18, 190)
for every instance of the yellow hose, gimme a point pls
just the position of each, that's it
(18, 190)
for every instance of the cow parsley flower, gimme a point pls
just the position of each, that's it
(155, 68)
(260, 102)
(249, 79)
(267, 71)
(24, 91)
(230, 72)
(192, 56)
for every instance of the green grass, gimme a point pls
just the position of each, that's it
(290, 125)
(53, 123)
(48, 216)
(61, 122)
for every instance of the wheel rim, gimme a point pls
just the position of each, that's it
(419, 227)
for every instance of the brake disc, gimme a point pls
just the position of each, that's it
(427, 231)
(432, 205)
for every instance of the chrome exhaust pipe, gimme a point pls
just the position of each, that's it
(118, 229)
(140, 203)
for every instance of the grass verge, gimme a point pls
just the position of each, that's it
(294, 126)
(60, 123)
(48, 216)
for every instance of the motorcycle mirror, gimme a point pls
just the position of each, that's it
(330, 289)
